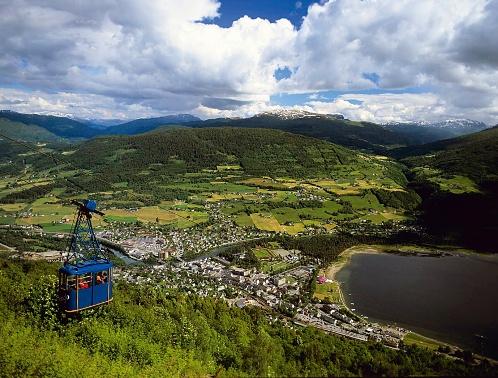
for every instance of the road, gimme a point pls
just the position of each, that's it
(320, 324)
(3, 246)
(217, 250)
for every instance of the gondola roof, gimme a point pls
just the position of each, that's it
(88, 266)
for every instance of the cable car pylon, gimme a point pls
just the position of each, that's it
(85, 279)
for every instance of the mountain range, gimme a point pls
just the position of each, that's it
(425, 132)
(457, 178)
(70, 128)
(331, 127)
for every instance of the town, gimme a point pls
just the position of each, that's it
(285, 295)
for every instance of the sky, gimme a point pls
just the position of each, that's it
(371, 60)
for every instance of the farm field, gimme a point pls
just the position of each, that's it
(294, 228)
(275, 267)
(425, 342)
(275, 205)
(329, 291)
(155, 214)
(456, 184)
(266, 222)
(383, 217)
(244, 220)
(262, 253)
(12, 206)
(172, 194)
(269, 259)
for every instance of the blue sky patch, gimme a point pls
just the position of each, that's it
(272, 10)
(372, 76)
(290, 99)
(355, 102)
(282, 73)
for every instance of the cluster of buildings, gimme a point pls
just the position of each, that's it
(334, 319)
(150, 240)
(143, 247)
(286, 293)
(285, 289)
(307, 195)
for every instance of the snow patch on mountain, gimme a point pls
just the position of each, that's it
(456, 123)
(284, 114)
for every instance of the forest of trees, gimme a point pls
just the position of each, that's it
(25, 242)
(258, 151)
(176, 151)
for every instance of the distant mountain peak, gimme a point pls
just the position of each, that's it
(285, 114)
(447, 123)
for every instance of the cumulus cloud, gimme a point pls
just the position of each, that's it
(128, 57)
(445, 44)
(89, 106)
(403, 42)
(156, 53)
(384, 107)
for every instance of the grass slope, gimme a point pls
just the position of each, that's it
(458, 179)
(24, 132)
(60, 126)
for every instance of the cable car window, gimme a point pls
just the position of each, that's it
(101, 277)
(85, 281)
(71, 282)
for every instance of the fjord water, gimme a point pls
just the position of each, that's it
(451, 298)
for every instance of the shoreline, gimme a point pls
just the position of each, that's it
(344, 257)
(401, 249)
(330, 272)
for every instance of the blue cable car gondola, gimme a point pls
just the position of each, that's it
(85, 279)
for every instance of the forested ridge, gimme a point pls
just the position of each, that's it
(257, 151)
(361, 135)
(30, 133)
(206, 148)
(467, 218)
(474, 155)
(60, 126)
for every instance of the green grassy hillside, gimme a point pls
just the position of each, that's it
(60, 126)
(24, 132)
(263, 179)
(14, 155)
(475, 155)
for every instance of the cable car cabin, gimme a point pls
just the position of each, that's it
(84, 285)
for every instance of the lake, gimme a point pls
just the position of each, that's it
(450, 298)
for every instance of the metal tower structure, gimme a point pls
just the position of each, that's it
(84, 245)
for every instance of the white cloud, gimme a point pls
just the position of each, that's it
(158, 56)
(384, 107)
(150, 52)
(405, 42)
(449, 46)
(380, 108)
(89, 106)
